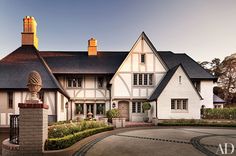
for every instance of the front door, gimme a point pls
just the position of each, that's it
(123, 107)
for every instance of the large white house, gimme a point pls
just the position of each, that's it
(78, 82)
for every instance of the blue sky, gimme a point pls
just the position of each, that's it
(204, 29)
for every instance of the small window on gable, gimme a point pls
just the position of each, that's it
(180, 79)
(142, 58)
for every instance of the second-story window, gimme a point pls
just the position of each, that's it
(10, 99)
(100, 82)
(143, 79)
(74, 82)
(142, 58)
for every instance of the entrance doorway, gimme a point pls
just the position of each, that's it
(123, 107)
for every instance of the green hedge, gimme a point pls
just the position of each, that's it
(62, 130)
(198, 124)
(195, 122)
(216, 113)
(67, 141)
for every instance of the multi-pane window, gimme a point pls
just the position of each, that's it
(172, 104)
(142, 58)
(10, 99)
(135, 79)
(142, 79)
(133, 107)
(150, 79)
(79, 108)
(137, 107)
(100, 82)
(74, 82)
(179, 104)
(100, 108)
(185, 104)
(145, 79)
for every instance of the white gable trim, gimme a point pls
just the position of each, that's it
(142, 36)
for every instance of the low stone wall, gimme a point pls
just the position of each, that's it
(9, 149)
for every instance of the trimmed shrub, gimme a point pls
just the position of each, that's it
(67, 141)
(146, 106)
(113, 113)
(216, 113)
(62, 130)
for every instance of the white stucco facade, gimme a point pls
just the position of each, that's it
(177, 90)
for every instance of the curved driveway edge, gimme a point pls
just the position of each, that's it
(84, 142)
(160, 141)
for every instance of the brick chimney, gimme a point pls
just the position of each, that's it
(92, 47)
(29, 34)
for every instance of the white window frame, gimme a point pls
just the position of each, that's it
(180, 109)
(135, 104)
(142, 79)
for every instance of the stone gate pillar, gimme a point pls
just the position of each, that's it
(33, 120)
(33, 128)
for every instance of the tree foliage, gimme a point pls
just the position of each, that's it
(226, 73)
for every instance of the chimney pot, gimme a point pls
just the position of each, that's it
(29, 34)
(92, 47)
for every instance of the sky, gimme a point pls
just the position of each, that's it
(203, 29)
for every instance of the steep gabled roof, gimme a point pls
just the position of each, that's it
(194, 70)
(157, 92)
(163, 84)
(16, 67)
(79, 62)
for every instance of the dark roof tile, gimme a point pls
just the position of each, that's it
(80, 63)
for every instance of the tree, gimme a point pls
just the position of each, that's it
(227, 78)
(212, 67)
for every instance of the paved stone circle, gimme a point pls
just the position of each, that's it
(162, 141)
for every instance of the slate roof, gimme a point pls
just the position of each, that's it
(15, 68)
(193, 69)
(217, 99)
(80, 63)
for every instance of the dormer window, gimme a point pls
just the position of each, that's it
(142, 58)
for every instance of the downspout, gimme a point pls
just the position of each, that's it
(71, 109)
(56, 103)
(156, 108)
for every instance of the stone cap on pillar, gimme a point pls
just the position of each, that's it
(33, 105)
